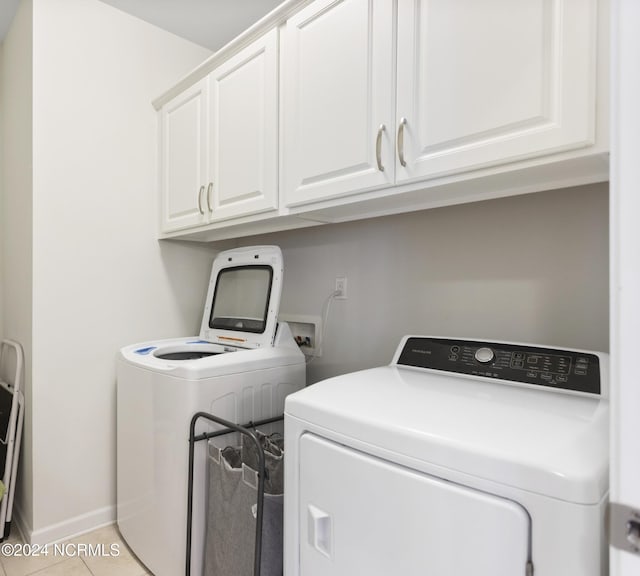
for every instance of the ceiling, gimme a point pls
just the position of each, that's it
(210, 23)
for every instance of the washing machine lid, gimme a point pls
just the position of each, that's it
(243, 297)
(537, 440)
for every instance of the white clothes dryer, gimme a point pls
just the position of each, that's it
(461, 457)
(240, 367)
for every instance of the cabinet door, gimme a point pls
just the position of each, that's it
(183, 149)
(244, 132)
(338, 91)
(482, 83)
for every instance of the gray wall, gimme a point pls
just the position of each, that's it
(530, 268)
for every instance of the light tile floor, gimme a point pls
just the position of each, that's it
(98, 553)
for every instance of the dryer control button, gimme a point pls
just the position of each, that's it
(484, 355)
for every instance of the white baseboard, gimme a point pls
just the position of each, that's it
(67, 529)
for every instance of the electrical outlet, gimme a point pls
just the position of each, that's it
(341, 287)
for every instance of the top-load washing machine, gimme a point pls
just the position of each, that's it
(461, 457)
(240, 367)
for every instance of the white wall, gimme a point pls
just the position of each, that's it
(16, 216)
(530, 268)
(100, 279)
(624, 483)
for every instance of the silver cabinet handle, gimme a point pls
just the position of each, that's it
(200, 200)
(379, 147)
(209, 190)
(403, 122)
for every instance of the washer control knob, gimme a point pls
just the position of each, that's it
(484, 355)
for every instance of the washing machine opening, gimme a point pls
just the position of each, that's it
(185, 355)
(190, 351)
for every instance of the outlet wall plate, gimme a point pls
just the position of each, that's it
(341, 286)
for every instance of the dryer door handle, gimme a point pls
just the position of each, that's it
(320, 530)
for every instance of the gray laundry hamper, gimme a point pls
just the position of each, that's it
(232, 508)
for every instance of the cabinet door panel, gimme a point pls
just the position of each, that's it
(183, 165)
(244, 131)
(338, 91)
(488, 82)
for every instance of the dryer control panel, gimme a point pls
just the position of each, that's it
(549, 367)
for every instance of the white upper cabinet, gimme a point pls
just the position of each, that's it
(243, 160)
(219, 142)
(487, 82)
(338, 100)
(457, 85)
(335, 110)
(183, 162)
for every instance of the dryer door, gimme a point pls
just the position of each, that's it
(363, 515)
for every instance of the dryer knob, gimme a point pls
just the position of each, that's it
(484, 355)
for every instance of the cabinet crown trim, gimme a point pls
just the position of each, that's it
(272, 20)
